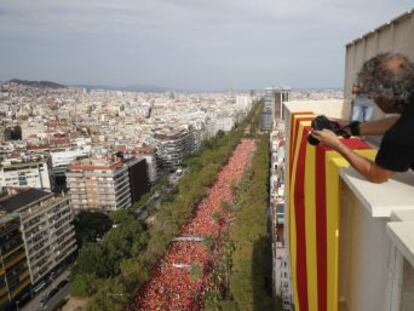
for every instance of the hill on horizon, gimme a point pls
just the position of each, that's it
(39, 84)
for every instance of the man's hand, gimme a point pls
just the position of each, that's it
(327, 138)
(342, 123)
(369, 169)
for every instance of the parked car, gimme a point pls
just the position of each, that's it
(62, 284)
(39, 287)
(53, 292)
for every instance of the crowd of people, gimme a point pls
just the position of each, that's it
(172, 286)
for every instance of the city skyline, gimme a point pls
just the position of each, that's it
(185, 45)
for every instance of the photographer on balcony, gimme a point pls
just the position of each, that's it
(389, 80)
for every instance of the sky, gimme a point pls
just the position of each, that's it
(186, 44)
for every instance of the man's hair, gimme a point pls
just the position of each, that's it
(388, 74)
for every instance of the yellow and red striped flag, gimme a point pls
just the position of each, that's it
(313, 215)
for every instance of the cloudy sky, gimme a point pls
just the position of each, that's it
(186, 44)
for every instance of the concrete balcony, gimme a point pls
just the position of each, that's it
(351, 241)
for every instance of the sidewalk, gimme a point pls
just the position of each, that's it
(34, 304)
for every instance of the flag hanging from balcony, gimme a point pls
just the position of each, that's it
(313, 216)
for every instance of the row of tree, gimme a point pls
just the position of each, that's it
(243, 272)
(109, 271)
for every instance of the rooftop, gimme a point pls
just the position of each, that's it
(95, 163)
(382, 27)
(13, 203)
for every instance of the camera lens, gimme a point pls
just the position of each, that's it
(312, 140)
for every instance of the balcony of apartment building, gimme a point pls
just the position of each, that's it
(351, 242)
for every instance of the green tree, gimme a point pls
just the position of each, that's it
(83, 285)
(92, 259)
(122, 216)
(90, 226)
(110, 296)
(134, 272)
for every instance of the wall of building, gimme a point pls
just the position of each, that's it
(48, 234)
(407, 296)
(171, 151)
(33, 174)
(395, 36)
(152, 166)
(100, 189)
(138, 179)
(364, 257)
(14, 273)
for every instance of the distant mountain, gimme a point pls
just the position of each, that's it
(39, 84)
(130, 88)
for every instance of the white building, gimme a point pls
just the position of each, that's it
(26, 171)
(218, 122)
(61, 159)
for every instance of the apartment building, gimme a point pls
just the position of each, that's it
(173, 146)
(45, 228)
(281, 268)
(60, 159)
(138, 177)
(14, 270)
(99, 183)
(274, 98)
(219, 122)
(26, 171)
(149, 154)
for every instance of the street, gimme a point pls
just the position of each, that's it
(156, 199)
(34, 304)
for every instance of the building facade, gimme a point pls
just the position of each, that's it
(273, 106)
(281, 268)
(29, 171)
(149, 154)
(138, 177)
(173, 146)
(99, 184)
(45, 225)
(14, 270)
(60, 160)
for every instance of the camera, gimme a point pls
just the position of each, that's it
(320, 123)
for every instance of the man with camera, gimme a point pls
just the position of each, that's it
(389, 80)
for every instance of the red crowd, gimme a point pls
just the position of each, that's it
(171, 286)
